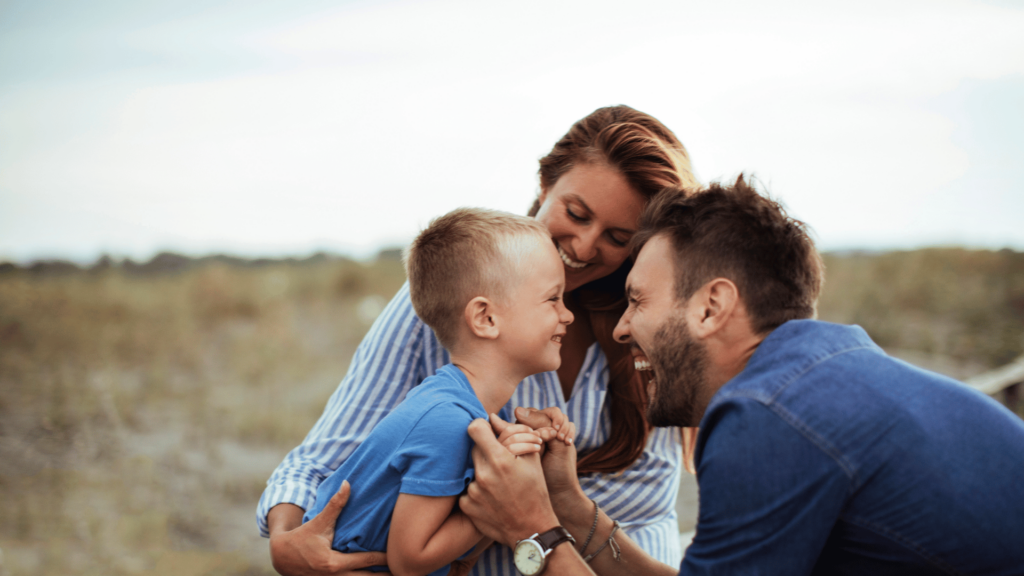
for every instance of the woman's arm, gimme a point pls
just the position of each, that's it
(393, 357)
(297, 548)
(426, 534)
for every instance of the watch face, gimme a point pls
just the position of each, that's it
(528, 557)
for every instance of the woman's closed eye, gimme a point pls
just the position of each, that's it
(574, 216)
(617, 240)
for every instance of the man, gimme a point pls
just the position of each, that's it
(818, 454)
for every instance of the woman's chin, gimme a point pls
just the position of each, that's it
(576, 278)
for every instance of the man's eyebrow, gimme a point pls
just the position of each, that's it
(579, 200)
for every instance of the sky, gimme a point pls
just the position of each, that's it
(266, 127)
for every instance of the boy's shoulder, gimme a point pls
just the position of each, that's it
(446, 392)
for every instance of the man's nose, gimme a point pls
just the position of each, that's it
(621, 332)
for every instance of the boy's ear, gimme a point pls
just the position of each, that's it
(480, 318)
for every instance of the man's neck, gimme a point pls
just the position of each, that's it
(492, 379)
(730, 361)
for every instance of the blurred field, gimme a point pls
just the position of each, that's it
(142, 407)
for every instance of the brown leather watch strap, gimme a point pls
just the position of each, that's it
(554, 537)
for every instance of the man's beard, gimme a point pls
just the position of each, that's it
(680, 365)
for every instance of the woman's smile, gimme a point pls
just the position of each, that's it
(591, 212)
(569, 261)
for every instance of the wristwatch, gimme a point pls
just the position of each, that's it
(531, 554)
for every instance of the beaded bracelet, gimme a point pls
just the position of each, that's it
(593, 528)
(616, 552)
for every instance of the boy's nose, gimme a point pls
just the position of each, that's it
(567, 317)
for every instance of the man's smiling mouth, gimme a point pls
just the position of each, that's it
(642, 364)
(568, 260)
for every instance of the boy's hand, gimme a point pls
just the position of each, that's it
(519, 439)
(550, 423)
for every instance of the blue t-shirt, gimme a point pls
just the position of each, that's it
(421, 447)
(825, 456)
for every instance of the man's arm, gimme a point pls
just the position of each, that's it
(509, 501)
(575, 511)
(770, 494)
(426, 534)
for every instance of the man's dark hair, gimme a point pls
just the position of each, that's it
(734, 232)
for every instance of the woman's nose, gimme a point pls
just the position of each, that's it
(586, 244)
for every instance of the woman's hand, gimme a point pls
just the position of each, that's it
(298, 549)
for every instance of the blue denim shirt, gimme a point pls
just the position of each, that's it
(825, 456)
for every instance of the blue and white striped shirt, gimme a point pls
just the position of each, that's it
(400, 351)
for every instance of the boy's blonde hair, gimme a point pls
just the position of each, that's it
(466, 253)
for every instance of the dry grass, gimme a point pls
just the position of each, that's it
(141, 412)
(967, 305)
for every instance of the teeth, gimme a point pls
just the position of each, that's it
(642, 365)
(557, 339)
(569, 261)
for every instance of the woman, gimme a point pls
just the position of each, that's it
(594, 183)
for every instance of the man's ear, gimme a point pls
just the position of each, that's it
(481, 319)
(713, 306)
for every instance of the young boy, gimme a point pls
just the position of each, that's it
(490, 285)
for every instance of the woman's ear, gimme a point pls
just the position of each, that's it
(481, 319)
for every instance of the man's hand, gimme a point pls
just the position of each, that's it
(305, 549)
(508, 500)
